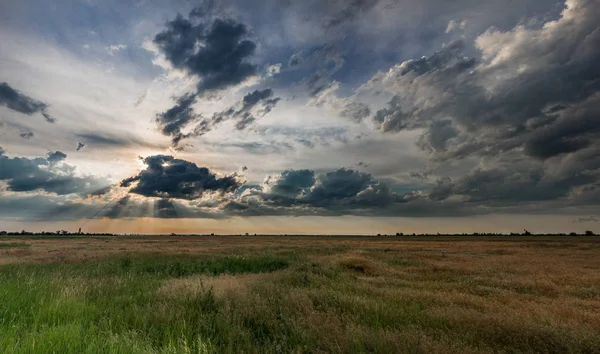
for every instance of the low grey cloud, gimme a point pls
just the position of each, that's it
(306, 192)
(48, 175)
(290, 182)
(17, 101)
(168, 177)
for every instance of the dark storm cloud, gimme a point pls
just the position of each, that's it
(496, 99)
(17, 101)
(44, 174)
(519, 181)
(181, 189)
(304, 192)
(216, 52)
(168, 177)
(442, 189)
(79, 146)
(437, 135)
(439, 68)
(291, 182)
(528, 109)
(340, 184)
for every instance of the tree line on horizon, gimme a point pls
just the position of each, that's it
(398, 234)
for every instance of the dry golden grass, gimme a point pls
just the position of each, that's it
(220, 285)
(394, 294)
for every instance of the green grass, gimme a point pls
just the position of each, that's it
(13, 245)
(332, 300)
(113, 305)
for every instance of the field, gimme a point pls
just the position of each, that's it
(265, 294)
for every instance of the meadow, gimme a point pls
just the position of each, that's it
(299, 294)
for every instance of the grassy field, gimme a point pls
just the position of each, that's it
(264, 294)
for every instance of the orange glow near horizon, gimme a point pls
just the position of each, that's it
(342, 225)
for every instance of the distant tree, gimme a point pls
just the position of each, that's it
(212, 234)
(378, 234)
(3, 232)
(247, 234)
(399, 234)
(526, 233)
(589, 233)
(573, 234)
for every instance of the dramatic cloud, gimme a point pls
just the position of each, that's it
(496, 113)
(533, 97)
(17, 101)
(531, 85)
(48, 175)
(168, 177)
(291, 182)
(216, 51)
(305, 192)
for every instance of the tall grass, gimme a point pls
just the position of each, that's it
(293, 300)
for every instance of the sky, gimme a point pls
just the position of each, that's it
(308, 116)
